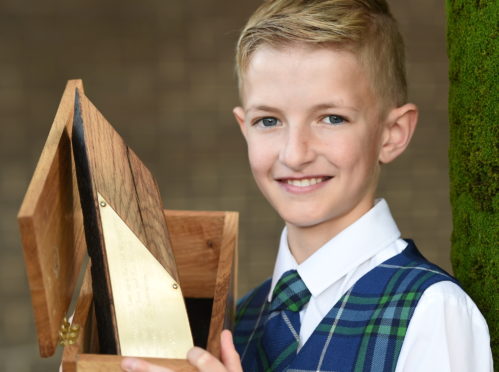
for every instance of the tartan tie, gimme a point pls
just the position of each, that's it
(282, 329)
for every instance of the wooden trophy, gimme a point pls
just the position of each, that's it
(91, 192)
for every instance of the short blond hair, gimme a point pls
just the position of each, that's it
(364, 27)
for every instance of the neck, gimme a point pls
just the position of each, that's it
(304, 241)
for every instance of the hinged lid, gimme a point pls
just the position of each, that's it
(51, 226)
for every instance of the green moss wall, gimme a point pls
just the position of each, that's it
(474, 160)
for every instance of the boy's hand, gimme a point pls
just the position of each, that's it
(201, 359)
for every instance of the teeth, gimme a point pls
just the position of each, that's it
(305, 182)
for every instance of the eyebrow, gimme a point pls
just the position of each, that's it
(319, 107)
(332, 105)
(262, 108)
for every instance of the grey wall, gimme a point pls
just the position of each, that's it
(161, 72)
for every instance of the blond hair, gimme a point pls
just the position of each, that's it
(364, 27)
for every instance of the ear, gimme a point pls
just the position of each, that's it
(397, 133)
(239, 115)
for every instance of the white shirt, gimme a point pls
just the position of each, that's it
(447, 332)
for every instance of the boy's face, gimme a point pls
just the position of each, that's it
(314, 134)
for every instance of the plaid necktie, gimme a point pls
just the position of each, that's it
(281, 333)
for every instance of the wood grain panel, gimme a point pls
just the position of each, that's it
(224, 294)
(51, 227)
(124, 181)
(107, 166)
(111, 363)
(151, 212)
(196, 239)
(110, 171)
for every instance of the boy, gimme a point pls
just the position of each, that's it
(324, 104)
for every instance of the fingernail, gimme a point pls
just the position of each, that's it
(195, 353)
(128, 364)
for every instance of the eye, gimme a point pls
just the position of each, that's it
(334, 119)
(268, 122)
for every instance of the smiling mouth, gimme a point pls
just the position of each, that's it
(304, 182)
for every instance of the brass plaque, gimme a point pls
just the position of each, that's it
(150, 310)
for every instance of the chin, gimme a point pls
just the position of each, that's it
(336, 219)
(303, 220)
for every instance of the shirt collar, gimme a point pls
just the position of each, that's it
(354, 245)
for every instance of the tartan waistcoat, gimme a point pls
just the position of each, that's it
(363, 331)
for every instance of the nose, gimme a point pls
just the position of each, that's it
(298, 149)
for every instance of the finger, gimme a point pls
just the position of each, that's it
(204, 361)
(139, 365)
(230, 356)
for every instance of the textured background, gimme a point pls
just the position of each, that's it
(161, 72)
(474, 155)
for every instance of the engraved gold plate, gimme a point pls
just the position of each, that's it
(150, 311)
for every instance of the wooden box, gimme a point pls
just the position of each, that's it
(51, 224)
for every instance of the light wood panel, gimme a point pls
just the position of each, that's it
(51, 227)
(196, 240)
(111, 363)
(224, 293)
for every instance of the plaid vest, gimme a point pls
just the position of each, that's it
(363, 331)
